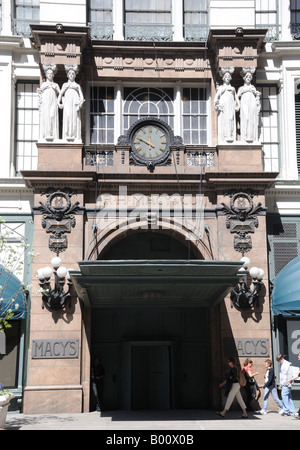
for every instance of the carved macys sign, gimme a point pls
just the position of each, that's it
(54, 348)
(247, 347)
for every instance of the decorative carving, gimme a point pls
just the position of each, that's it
(241, 219)
(226, 103)
(58, 218)
(200, 159)
(47, 101)
(250, 106)
(71, 100)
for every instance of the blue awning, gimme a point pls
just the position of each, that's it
(286, 290)
(11, 290)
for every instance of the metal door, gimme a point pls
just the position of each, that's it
(150, 377)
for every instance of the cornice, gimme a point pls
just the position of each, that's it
(285, 189)
(286, 47)
(38, 179)
(11, 42)
(12, 186)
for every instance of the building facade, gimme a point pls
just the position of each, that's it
(150, 150)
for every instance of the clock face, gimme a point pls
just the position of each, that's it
(150, 142)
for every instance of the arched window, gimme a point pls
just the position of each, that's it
(140, 103)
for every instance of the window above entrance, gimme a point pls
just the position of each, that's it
(107, 121)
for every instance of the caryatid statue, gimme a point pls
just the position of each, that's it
(250, 106)
(226, 103)
(71, 100)
(47, 101)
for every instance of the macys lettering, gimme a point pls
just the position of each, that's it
(54, 348)
(247, 347)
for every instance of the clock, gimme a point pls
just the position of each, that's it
(150, 142)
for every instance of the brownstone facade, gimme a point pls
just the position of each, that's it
(63, 384)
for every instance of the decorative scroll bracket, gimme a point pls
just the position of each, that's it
(58, 218)
(241, 219)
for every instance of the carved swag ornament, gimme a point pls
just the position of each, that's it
(58, 217)
(241, 219)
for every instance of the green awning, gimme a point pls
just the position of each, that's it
(286, 290)
(12, 295)
(155, 282)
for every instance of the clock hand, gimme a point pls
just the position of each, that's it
(147, 142)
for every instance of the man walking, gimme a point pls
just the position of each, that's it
(293, 379)
(286, 386)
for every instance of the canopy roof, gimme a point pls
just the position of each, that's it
(126, 283)
(11, 289)
(286, 290)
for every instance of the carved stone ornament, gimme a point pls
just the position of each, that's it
(241, 219)
(58, 218)
(250, 106)
(226, 104)
(48, 108)
(70, 99)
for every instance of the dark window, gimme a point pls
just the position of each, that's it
(9, 361)
(284, 242)
(297, 118)
(295, 18)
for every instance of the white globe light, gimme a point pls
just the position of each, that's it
(261, 274)
(47, 271)
(254, 272)
(40, 274)
(246, 261)
(56, 262)
(61, 272)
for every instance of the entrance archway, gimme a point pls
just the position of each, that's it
(153, 315)
(159, 370)
(150, 245)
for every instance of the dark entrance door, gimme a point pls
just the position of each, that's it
(154, 358)
(150, 377)
(150, 322)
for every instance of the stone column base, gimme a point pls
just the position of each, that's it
(52, 399)
(59, 156)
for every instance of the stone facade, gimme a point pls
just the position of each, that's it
(63, 384)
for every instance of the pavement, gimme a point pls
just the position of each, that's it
(187, 422)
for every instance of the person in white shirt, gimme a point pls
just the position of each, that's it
(286, 386)
(293, 379)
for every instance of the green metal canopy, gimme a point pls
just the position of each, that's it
(108, 283)
(286, 290)
(12, 295)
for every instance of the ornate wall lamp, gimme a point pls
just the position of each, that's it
(55, 298)
(244, 296)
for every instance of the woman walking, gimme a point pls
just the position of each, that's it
(270, 388)
(234, 391)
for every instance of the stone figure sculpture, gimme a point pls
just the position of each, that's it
(71, 100)
(47, 101)
(226, 103)
(250, 106)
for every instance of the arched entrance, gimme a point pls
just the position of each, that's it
(150, 245)
(153, 354)
(150, 320)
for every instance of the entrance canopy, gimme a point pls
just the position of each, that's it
(286, 290)
(156, 283)
(12, 297)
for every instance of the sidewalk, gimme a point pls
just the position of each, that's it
(172, 420)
